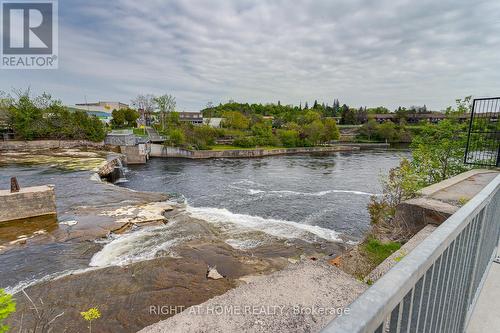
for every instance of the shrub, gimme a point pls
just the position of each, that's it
(245, 142)
(401, 184)
(203, 137)
(176, 137)
(7, 306)
(289, 138)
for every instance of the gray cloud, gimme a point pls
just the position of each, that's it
(362, 52)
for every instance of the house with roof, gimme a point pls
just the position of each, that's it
(195, 118)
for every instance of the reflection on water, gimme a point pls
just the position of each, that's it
(12, 230)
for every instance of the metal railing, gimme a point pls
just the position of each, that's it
(435, 287)
(483, 140)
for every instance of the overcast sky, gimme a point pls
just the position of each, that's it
(365, 53)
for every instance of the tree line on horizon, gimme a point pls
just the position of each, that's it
(348, 115)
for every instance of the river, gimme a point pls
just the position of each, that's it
(328, 192)
(305, 197)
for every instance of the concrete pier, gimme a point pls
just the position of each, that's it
(28, 202)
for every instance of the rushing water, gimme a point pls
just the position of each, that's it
(278, 195)
(313, 198)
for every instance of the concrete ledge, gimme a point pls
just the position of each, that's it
(419, 212)
(432, 189)
(28, 202)
(158, 150)
(443, 199)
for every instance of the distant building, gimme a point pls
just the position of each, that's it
(195, 118)
(213, 122)
(415, 118)
(101, 110)
(102, 106)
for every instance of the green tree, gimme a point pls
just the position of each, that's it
(462, 106)
(42, 117)
(438, 150)
(314, 132)
(166, 103)
(131, 117)
(331, 131)
(7, 306)
(369, 130)
(289, 137)
(26, 117)
(173, 119)
(347, 115)
(387, 131)
(176, 137)
(118, 118)
(309, 117)
(236, 120)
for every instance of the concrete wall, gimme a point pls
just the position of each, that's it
(47, 144)
(28, 202)
(120, 139)
(158, 150)
(109, 167)
(138, 154)
(439, 201)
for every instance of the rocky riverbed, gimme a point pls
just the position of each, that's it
(104, 250)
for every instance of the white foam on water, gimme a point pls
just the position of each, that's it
(313, 194)
(144, 244)
(252, 191)
(54, 276)
(274, 227)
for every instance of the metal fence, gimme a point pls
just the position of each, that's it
(435, 287)
(483, 142)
